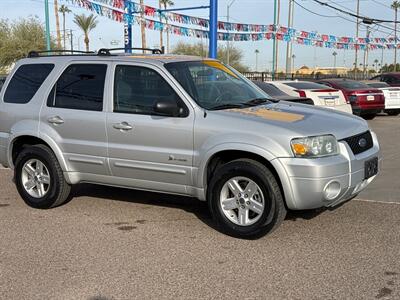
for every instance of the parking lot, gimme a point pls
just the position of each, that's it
(110, 243)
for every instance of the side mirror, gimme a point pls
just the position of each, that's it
(167, 107)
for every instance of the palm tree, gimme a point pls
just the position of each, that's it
(143, 25)
(57, 24)
(64, 10)
(86, 24)
(395, 5)
(376, 65)
(166, 3)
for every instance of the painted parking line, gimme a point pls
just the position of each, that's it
(376, 201)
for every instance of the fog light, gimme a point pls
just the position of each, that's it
(332, 190)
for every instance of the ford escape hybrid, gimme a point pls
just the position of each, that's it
(179, 125)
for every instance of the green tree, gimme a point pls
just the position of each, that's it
(19, 37)
(64, 10)
(199, 49)
(86, 24)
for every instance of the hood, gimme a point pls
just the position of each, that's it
(298, 119)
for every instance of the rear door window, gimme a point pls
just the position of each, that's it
(305, 85)
(81, 87)
(26, 82)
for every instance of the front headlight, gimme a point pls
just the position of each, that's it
(315, 146)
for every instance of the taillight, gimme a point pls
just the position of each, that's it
(302, 94)
(351, 99)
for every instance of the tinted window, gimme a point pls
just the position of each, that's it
(351, 84)
(137, 89)
(378, 85)
(270, 89)
(391, 79)
(26, 81)
(81, 86)
(302, 85)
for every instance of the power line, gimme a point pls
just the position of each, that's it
(373, 20)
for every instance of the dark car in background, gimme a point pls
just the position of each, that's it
(392, 79)
(277, 94)
(365, 100)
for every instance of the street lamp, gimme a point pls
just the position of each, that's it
(257, 52)
(228, 7)
(334, 60)
(293, 65)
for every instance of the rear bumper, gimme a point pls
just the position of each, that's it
(359, 110)
(326, 182)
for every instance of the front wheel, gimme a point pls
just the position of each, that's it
(245, 199)
(39, 178)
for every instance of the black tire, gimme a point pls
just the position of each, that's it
(393, 112)
(274, 212)
(58, 190)
(369, 116)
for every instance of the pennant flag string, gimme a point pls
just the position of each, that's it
(127, 11)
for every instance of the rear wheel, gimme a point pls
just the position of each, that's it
(39, 178)
(369, 116)
(393, 112)
(245, 199)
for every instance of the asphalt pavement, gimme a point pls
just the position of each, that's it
(110, 243)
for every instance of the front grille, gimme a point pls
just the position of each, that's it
(357, 144)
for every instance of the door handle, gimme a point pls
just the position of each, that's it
(55, 120)
(123, 126)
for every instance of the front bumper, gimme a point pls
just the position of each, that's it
(326, 182)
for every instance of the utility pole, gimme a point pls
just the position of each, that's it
(293, 65)
(289, 44)
(395, 37)
(72, 40)
(365, 69)
(357, 27)
(274, 41)
(228, 8)
(46, 11)
(257, 52)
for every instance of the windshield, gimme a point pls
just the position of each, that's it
(303, 85)
(270, 89)
(213, 85)
(350, 84)
(378, 85)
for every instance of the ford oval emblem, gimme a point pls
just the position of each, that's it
(362, 142)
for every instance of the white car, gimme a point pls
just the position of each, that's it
(320, 94)
(392, 96)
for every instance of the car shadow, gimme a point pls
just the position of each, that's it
(188, 204)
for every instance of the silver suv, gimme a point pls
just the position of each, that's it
(180, 125)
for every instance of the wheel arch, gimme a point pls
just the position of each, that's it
(18, 142)
(228, 152)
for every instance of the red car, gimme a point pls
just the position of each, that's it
(365, 101)
(392, 79)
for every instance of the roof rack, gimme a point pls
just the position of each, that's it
(107, 51)
(32, 54)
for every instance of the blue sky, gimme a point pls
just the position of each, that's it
(242, 11)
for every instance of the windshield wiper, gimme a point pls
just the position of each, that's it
(227, 106)
(259, 101)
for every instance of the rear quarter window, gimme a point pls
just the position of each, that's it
(26, 82)
(306, 85)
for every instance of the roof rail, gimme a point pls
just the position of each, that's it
(107, 51)
(32, 54)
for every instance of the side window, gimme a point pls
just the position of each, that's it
(137, 89)
(26, 82)
(325, 83)
(81, 86)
